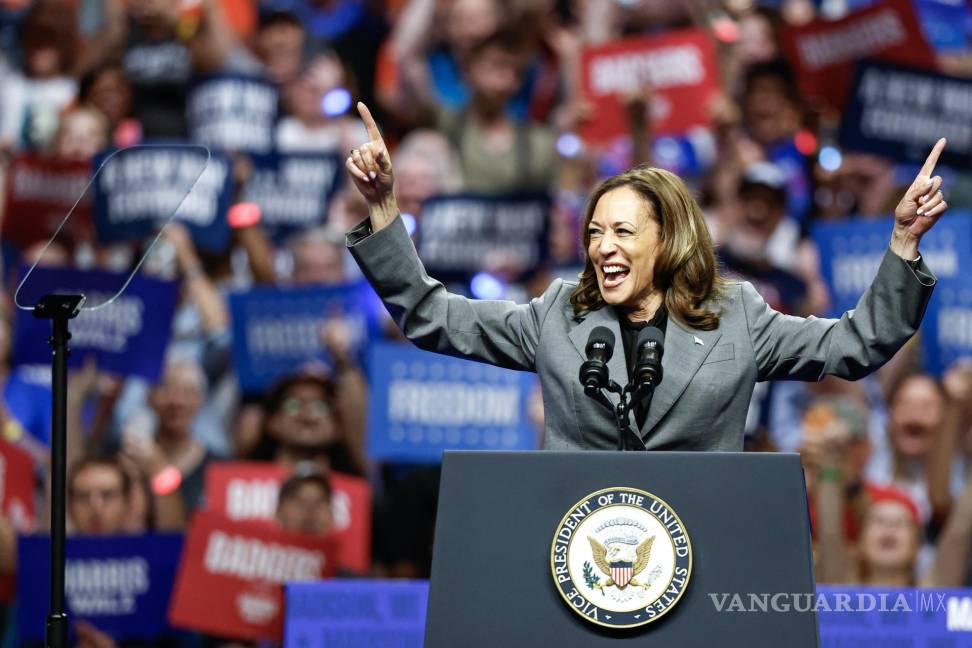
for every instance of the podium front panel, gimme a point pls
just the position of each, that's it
(745, 513)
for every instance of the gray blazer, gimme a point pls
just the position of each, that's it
(708, 381)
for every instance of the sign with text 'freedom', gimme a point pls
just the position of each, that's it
(423, 403)
(276, 331)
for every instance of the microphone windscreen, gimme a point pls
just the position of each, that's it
(651, 334)
(603, 337)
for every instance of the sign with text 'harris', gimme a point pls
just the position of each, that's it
(824, 51)
(680, 67)
(127, 336)
(246, 491)
(119, 584)
(231, 577)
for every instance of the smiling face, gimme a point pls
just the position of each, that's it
(624, 241)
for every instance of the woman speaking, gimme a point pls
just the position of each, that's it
(648, 262)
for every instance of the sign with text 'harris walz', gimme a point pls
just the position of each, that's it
(119, 584)
(231, 576)
(423, 403)
(851, 252)
(276, 331)
(824, 52)
(246, 491)
(680, 67)
(900, 113)
(356, 612)
(463, 234)
(233, 112)
(41, 190)
(293, 190)
(128, 336)
(140, 188)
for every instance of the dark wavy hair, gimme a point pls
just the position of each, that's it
(685, 270)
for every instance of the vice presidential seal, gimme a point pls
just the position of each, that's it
(621, 558)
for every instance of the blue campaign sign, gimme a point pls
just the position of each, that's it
(128, 336)
(293, 190)
(233, 112)
(900, 113)
(946, 23)
(461, 235)
(341, 613)
(138, 189)
(119, 584)
(423, 403)
(871, 617)
(851, 251)
(277, 330)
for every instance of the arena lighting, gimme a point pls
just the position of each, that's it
(486, 286)
(806, 142)
(336, 102)
(569, 145)
(830, 158)
(409, 221)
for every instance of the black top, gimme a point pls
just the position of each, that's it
(629, 337)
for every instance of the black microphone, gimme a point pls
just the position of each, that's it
(594, 371)
(648, 358)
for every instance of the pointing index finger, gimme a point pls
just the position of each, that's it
(929, 166)
(373, 133)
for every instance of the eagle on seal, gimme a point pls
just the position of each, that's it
(620, 564)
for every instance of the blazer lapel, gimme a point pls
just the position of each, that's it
(617, 370)
(683, 356)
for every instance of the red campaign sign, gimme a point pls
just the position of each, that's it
(824, 51)
(40, 192)
(16, 499)
(231, 576)
(247, 491)
(679, 66)
(17, 486)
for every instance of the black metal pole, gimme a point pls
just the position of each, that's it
(59, 309)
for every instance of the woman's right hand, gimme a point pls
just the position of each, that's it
(371, 170)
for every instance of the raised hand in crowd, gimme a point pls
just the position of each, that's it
(198, 285)
(371, 171)
(920, 208)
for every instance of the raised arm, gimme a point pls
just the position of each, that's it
(497, 332)
(887, 315)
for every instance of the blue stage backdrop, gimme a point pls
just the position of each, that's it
(423, 403)
(356, 613)
(127, 337)
(276, 331)
(119, 584)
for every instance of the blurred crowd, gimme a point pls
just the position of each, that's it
(476, 96)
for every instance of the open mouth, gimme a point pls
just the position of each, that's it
(614, 274)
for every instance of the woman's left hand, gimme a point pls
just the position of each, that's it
(922, 205)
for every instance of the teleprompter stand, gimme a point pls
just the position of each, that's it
(59, 308)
